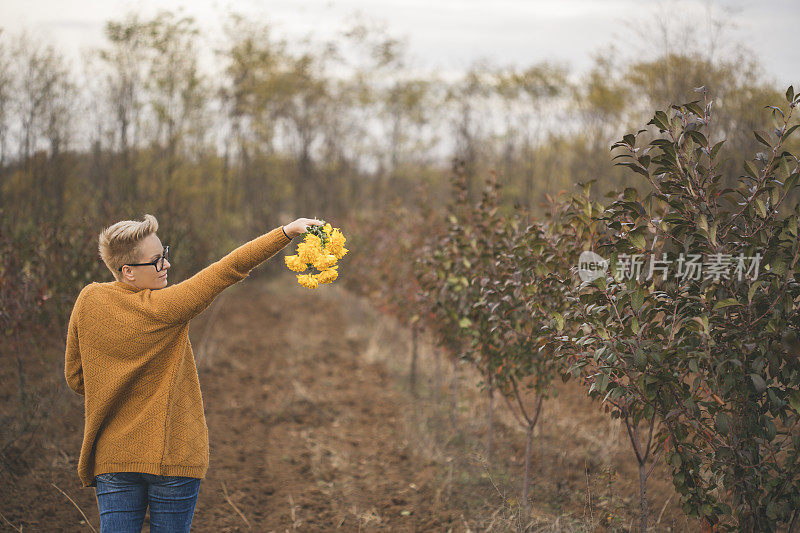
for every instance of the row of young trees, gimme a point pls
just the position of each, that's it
(684, 324)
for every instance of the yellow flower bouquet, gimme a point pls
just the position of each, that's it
(321, 248)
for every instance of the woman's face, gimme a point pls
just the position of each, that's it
(146, 276)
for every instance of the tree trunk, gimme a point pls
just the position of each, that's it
(490, 436)
(527, 476)
(412, 374)
(437, 373)
(643, 496)
(454, 391)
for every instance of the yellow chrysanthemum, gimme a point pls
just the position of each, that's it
(294, 263)
(325, 261)
(309, 252)
(313, 240)
(327, 228)
(336, 244)
(307, 280)
(327, 276)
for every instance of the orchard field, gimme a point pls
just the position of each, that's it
(570, 301)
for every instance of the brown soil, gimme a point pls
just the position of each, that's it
(312, 429)
(304, 434)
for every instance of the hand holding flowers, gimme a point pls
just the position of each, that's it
(321, 248)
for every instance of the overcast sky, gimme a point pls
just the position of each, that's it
(448, 35)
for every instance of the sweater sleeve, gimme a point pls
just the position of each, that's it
(73, 369)
(183, 301)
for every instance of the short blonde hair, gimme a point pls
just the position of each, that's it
(119, 243)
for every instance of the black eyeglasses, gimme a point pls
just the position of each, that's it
(158, 263)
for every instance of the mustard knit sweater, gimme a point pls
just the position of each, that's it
(128, 354)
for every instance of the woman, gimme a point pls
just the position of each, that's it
(145, 437)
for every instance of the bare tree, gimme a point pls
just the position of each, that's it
(253, 94)
(527, 95)
(467, 98)
(42, 96)
(5, 104)
(122, 64)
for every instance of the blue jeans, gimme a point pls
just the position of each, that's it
(122, 498)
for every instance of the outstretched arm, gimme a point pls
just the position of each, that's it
(185, 300)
